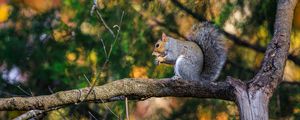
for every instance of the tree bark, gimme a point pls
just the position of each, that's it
(135, 89)
(251, 106)
(253, 97)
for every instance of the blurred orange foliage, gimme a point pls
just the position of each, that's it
(138, 72)
(42, 5)
(297, 16)
(222, 116)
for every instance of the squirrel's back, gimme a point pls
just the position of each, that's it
(212, 43)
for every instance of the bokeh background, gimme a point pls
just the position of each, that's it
(48, 46)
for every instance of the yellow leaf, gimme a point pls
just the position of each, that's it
(93, 57)
(71, 56)
(5, 10)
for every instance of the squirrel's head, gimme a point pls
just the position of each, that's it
(160, 47)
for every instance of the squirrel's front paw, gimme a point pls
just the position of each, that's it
(176, 77)
(161, 59)
(157, 61)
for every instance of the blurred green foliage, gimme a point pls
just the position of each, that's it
(53, 44)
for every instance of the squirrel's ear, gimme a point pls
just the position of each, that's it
(164, 37)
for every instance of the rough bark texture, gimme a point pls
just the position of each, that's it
(133, 88)
(252, 97)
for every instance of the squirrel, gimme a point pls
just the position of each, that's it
(201, 57)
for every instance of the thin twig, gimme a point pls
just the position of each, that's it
(127, 108)
(91, 89)
(105, 51)
(51, 91)
(92, 115)
(87, 79)
(110, 109)
(108, 55)
(30, 114)
(104, 23)
(112, 45)
(23, 90)
(35, 113)
(104, 48)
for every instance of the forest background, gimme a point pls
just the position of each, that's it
(53, 45)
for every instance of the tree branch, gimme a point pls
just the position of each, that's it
(30, 114)
(271, 72)
(187, 10)
(133, 88)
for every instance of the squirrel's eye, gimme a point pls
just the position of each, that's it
(157, 45)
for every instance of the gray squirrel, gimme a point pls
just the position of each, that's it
(200, 58)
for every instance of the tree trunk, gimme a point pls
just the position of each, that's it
(253, 106)
(252, 97)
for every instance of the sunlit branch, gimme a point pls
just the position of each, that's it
(135, 89)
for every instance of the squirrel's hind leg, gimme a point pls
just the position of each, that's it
(185, 69)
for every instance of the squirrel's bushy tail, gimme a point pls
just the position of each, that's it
(212, 43)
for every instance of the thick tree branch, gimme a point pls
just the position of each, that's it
(253, 99)
(271, 72)
(133, 88)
